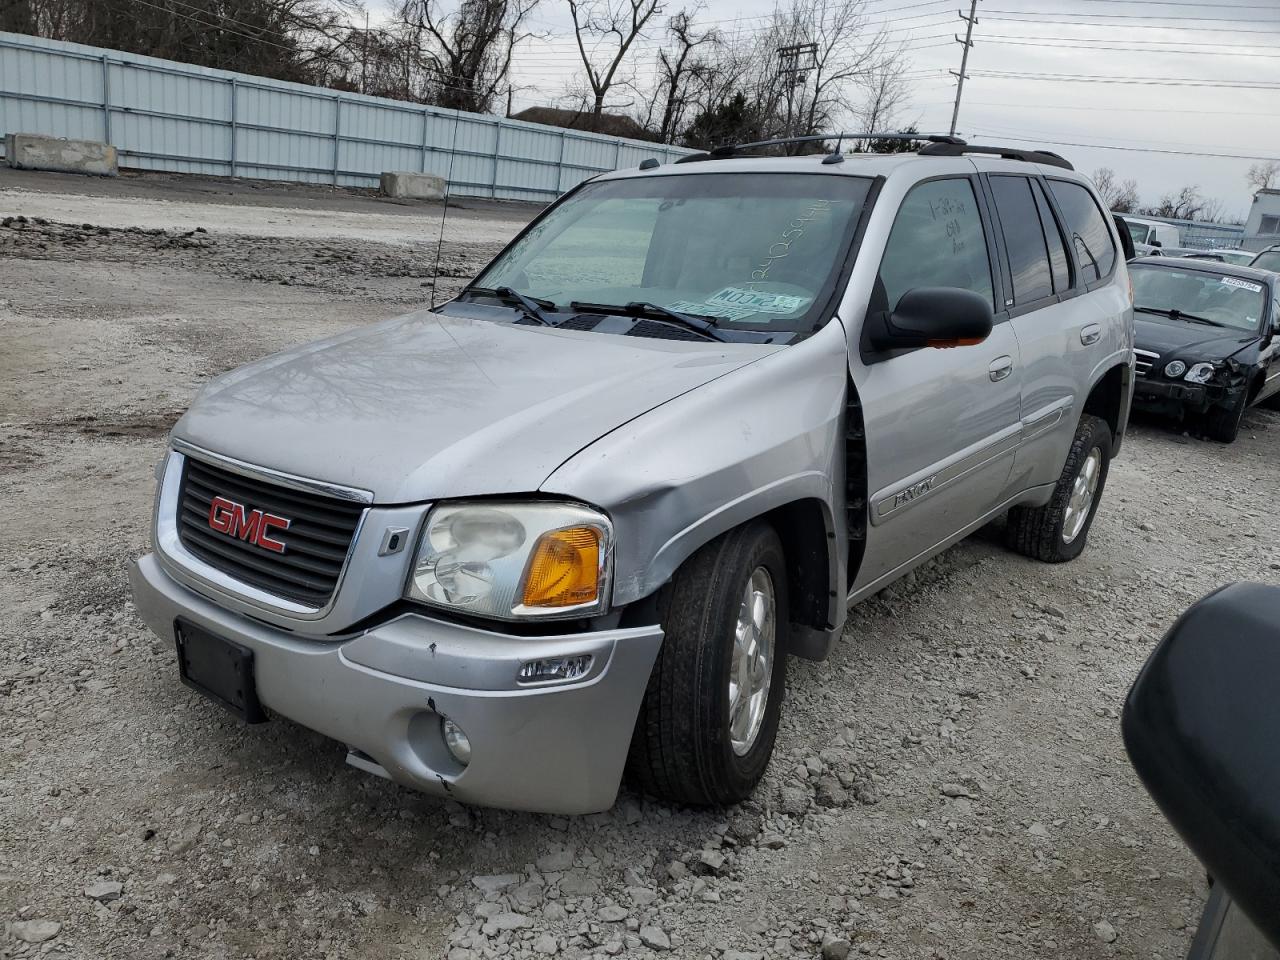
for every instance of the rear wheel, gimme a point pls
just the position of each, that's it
(710, 713)
(1058, 531)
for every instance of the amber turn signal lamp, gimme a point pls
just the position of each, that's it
(564, 570)
(959, 342)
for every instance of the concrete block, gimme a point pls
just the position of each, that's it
(33, 151)
(412, 186)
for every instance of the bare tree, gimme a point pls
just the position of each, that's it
(679, 68)
(1212, 211)
(887, 94)
(609, 28)
(298, 40)
(1120, 197)
(470, 46)
(1263, 175)
(1185, 204)
(845, 54)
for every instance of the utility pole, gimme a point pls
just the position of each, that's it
(970, 20)
(794, 63)
(364, 57)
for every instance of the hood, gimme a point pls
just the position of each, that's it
(429, 406)
(1188, 341)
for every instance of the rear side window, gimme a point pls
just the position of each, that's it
(1095, 249)
(937, 241)
(1267, 260)
(1024, 240)
(1059, 262)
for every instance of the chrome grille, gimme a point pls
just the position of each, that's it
(1144, 360)
(316, 542)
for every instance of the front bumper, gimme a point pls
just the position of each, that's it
(1161, 395)
(551, 748)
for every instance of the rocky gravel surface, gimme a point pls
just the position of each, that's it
(950, 784)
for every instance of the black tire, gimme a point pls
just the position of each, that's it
(681, 749)
(1037, 532)
(1222, 423)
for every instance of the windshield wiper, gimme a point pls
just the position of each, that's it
(531, 307)
(653, 311)
(1180, 315)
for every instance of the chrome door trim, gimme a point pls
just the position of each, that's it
(857, 594)
(277, 477)
(920, 486)
(1045, 418)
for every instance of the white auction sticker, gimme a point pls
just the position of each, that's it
(758, 301)
(712, 309)
(1242, 284)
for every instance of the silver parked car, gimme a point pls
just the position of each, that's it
(577, 519)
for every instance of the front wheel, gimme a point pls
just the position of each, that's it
(1057, 532)
(1222, 423)
(710, 713)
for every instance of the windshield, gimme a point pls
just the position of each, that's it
(1138, 231)
(1231, 301)
(755, 251)
(1267, 260)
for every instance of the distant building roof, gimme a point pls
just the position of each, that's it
(611, 124)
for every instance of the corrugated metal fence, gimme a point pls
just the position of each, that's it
(163, 115)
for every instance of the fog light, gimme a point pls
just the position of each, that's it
(555, 668)
(457, 742)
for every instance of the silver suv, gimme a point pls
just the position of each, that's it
(575, 521)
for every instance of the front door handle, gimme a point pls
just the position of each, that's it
(1000, 368)
(1091, 334)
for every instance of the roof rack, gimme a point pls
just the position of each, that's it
(1047, 157)
(729, 149)
(935, 145)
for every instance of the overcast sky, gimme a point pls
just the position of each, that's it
(1176, 49)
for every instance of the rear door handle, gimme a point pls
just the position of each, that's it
(1000, 368)
(1090, 334)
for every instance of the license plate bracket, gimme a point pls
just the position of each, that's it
(220, 669)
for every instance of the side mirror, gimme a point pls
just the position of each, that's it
(932, 317)
(1156, 243)
(1200, 727)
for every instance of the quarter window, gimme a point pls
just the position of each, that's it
(1025, 246)
(937, 241)
(1095, 248)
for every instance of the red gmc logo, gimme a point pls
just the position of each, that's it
(254, 526)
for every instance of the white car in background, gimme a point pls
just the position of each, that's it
(1150, 236)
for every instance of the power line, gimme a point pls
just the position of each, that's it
(1180, 43)
(1144, 16)
(1043, 107)
(1136, 81)
(1132, 26)
(1088, 45)
(1122, 141)
(1103, 146)
(1187, 3)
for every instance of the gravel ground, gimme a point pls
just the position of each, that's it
(950, 784)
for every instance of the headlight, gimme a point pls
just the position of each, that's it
(1200, 372)
(514, 560)
(1175, 369)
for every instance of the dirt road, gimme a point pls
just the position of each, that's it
(950, 784)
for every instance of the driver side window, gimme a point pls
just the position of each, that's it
(937, 241)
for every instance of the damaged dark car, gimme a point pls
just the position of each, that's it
(1207, 341)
